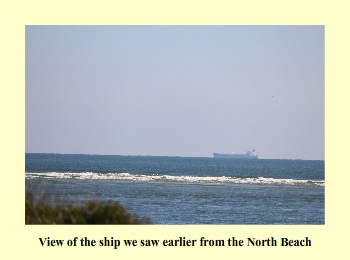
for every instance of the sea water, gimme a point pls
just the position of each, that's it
(186, 190)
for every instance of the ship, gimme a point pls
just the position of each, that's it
(248, 155)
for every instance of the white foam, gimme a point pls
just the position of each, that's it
(170, 178)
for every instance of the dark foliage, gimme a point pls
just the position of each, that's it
(91, 213)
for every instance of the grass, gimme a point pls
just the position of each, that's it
(91, 213)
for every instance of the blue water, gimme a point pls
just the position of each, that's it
(182, 190)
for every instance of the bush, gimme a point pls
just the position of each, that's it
(91, 213)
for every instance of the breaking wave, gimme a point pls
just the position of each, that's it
(170, 178)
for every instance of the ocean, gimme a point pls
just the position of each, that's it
(186, 190)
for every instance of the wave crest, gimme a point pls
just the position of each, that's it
(170, 178)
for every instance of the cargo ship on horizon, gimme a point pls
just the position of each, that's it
(248, 155)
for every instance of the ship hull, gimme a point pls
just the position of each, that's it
(235, 156)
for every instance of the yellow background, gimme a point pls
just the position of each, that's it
(19, 241)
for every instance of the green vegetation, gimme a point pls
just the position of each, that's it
(91, 213)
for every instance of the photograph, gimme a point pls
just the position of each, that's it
(175, 124)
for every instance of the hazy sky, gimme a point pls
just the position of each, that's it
(176, 90)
